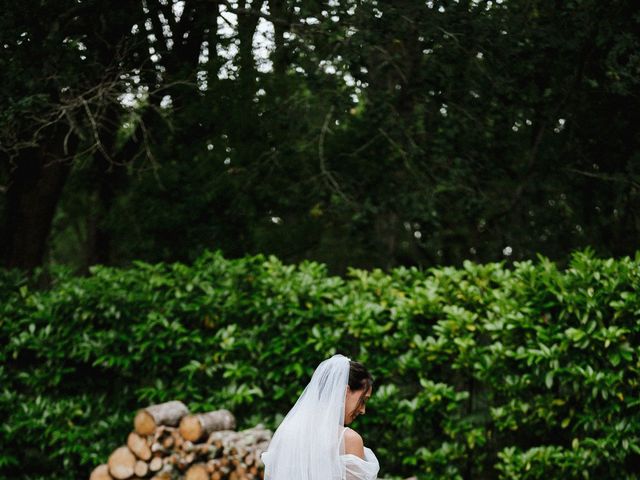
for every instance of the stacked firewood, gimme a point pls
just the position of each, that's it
(169, 443)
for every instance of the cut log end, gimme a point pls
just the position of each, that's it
(101, 472)
(197, 472)
(191, 428)
(155, 464)
(143, 423)
(168, 413)
(139, 446)
(122, 463)
(141, 468)
(194, 427)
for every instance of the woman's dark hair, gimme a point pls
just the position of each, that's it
(359, 378)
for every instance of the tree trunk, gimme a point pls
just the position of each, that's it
(109, 177)
(35, 186)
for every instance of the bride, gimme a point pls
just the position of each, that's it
(312, 442)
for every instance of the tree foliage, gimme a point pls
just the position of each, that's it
(354, 133)
(483, 371)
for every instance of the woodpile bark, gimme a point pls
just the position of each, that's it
(169, 443)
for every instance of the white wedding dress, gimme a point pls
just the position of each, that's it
(309, 442)
(355, 468)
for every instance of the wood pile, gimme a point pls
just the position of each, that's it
(170, 443)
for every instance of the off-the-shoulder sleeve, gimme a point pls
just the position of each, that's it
(358, 469)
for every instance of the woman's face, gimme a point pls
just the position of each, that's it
(351, 407)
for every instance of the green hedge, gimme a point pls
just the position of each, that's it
(482, 372)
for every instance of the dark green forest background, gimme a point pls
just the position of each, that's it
(355, 133)
(218, 194)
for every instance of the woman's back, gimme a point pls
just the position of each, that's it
(356, 467)
(309, 443)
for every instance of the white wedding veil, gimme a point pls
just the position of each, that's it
(305, 446)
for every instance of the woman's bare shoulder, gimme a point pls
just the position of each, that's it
(353, 443)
